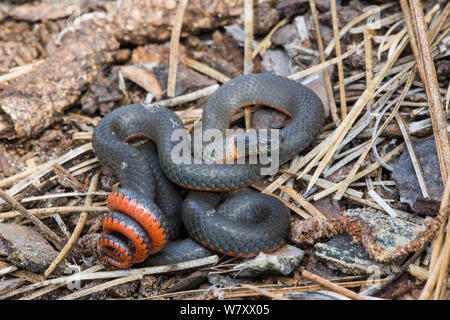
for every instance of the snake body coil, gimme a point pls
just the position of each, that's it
(145, 211)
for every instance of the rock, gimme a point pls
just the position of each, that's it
(284, 35)
(348, 256)
(25, 247)
(283, 261)
(276, 62)
(408, 184)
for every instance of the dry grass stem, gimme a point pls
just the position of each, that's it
(205, 69)
(189, 97)
(174, 45)
(78, 228)
(329, 88)
(340, 65)
(332, 286)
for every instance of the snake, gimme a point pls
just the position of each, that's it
(219, 212)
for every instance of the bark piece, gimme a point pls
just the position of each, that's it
(25, 247)
(39, 99)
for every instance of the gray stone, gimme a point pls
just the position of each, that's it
(277, 62)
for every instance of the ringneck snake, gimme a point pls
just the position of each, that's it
(147, 210)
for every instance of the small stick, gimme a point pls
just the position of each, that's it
(102, 286)
(266, 43)
(303, 202)
(412, 154)
(439, 292)
(21, 71)
(368, 53)
(248, 36)
(174, 44)
(205, 69)
(382, 203)
(38, 223)
(264, 292)
(76, 232)
(432, 88)
(49, 211)
(358, 19)
(360, 174)
(7, 270)
(189, 96)
(329, 87)
(338, 54)
(64, 173)
(421, 273)
(291, 206)
(326, 64)
(332, 286)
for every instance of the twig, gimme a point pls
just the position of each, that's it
(76, 232)
(264, 292)
(412, 154)
(174, 44)
(340, 65)
(266, 42)
(64, 173)
(38, 212)
(324, 65)
(332, 286)
(248, 36)
(189, 96)
(432, 88)
(19, 72)
(7, 270)
(248, 49)
(102, 286)
(303, 202)
(329, 88)
(375, 196)
(368, 53)
(203, 68)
